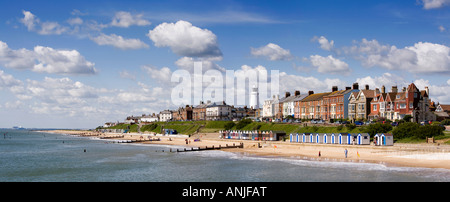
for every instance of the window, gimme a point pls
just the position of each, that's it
(374, 107)
(410, 105)
(402, 105)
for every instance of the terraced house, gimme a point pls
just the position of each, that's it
(336, 104)
(359, 103)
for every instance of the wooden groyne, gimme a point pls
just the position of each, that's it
(136, 141)
(241, 145)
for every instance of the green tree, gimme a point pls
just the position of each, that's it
(405, 130)
(375, 128)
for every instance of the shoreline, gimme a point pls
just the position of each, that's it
(399, 155)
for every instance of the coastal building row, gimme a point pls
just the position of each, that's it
(353, 103)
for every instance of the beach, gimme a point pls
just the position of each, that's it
(400, 155)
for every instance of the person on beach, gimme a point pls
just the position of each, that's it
(319, 153)
(345, 152)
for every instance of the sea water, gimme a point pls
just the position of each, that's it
(28, 156)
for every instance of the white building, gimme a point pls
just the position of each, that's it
(149, 118)
(269, 108)
(218, 111)
(254, 98)
(165, 115)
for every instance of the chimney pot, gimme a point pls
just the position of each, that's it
(355, 86)
(297, 93)
(367, 87)
(310, 92)
(288, 94)
(334, 88)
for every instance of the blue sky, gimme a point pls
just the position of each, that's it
(79, 64)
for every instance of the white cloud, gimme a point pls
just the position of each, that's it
(433, 4)
(329, 64)
(324, 43)
(438, 93)
(386, 79)
(187, 63)
(423, 57)
(184, 39)
(119, 42)
(46, 59)
(126, 19)
(441, 28)
(162, 74)
(45, 28)
(8, 81)
(75, 21)
(272, 52)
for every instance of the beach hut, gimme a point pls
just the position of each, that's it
(311, 138)
(319, 138)
(333, 138)
(343, 138)
(363, 139)
(352, 138)
(383, 139)
(326, 138)
(304, 138)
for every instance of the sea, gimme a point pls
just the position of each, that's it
(29, 156)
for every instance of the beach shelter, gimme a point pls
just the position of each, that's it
(363, 139)
(311, 138)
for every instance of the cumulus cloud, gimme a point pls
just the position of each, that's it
(119, 42)
(45, 28)
(46, 59)
(272, 52)
(438, 93)
(329, 64)
(422, 57)
(324, 43)
(187, 63)
(433, 4)
(8, 81)
(184, 39)
(162, 75)
(387, 79)
(126, 19)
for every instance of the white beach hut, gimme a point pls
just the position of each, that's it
(318, 138)
(384, 139)
(343, 138)
(333, 138)
(291, 137)
(311, 138)
(363, 139)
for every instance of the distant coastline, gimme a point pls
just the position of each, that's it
(400, 155)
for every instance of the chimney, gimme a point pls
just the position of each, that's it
(297, 93)
(334, 88)
(428, 92)
(367, 87)
(394, 89)
(348, 88)
(288, 94)
(355, 86)
(383, 89)
(404, 89)
(310, 92)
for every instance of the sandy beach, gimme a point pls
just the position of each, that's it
(403, 155)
